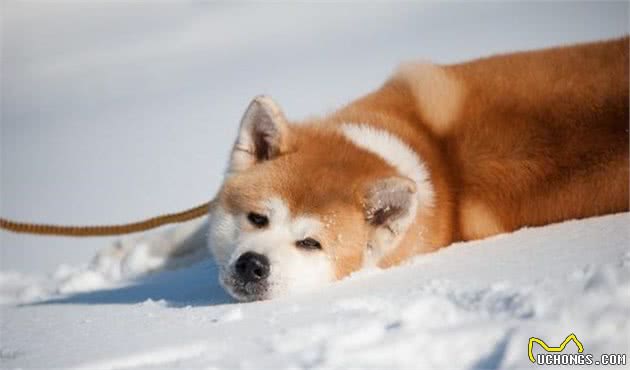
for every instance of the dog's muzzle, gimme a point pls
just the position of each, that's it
(247, 279)
(252, 267)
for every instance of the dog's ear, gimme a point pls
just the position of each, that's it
(262, 134)
(390, 203)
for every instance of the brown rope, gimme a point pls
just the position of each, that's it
(105, 230)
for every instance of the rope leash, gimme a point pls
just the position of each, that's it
(105, 230)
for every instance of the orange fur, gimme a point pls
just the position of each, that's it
(515, 140)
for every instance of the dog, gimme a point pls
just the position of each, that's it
(438, 154)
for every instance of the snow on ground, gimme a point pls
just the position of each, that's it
(116, 111)
(470, 306)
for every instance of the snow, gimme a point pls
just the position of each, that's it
(113, 112)
(472, 305)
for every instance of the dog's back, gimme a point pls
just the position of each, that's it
(543, 137)
(527, 138)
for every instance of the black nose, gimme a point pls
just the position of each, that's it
(252, 267)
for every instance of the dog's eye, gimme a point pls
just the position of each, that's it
(308, 243)
(258, 220)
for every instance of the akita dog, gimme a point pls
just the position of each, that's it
(436, 155)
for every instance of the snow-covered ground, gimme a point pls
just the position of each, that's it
(471, 306)
(112, 112)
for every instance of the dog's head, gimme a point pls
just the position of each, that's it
(303, 205)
